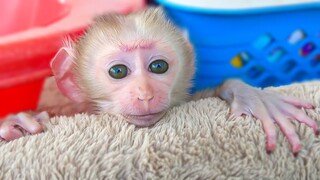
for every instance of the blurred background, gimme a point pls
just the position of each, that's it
(264, 43)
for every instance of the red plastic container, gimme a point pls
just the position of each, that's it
(26, 47)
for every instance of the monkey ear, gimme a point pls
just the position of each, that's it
(61, 66)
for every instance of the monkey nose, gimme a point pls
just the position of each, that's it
(145, 101)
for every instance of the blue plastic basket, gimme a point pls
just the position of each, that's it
(262, 46)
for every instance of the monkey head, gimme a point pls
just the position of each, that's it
(135, 65)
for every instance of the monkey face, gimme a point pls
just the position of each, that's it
(137, 82)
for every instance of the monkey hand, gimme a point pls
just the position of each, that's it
(270, 108)
(14, 126)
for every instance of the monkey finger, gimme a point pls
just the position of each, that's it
(8, 131)
(289, 131)
(297, 102)
(300, 116)
(42, 117)
(29, 123)
(271, 134)
(269, 129)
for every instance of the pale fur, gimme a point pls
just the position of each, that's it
(110, 30)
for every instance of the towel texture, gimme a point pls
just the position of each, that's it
(197, 140)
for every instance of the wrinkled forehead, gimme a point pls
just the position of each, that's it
(127, 34)
(101, 46)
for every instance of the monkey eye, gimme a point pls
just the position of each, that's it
(118, 71)
(159, 66)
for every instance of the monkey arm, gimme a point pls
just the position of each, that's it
(15, 125)
(270, 108)
(51, 103)
(10, 127)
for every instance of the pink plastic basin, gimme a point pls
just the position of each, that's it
(17, 15)
(31, 32)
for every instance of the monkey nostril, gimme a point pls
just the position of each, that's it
(147, 98)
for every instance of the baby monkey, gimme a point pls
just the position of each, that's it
(140, 65)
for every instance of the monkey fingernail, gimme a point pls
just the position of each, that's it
(270, 148)
(269, 152)
(296, 149)
(311, 106)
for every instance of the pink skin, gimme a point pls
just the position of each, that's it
(271, 109)
(10, 127)
(136, 97)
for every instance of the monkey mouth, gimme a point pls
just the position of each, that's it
(144, 120)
